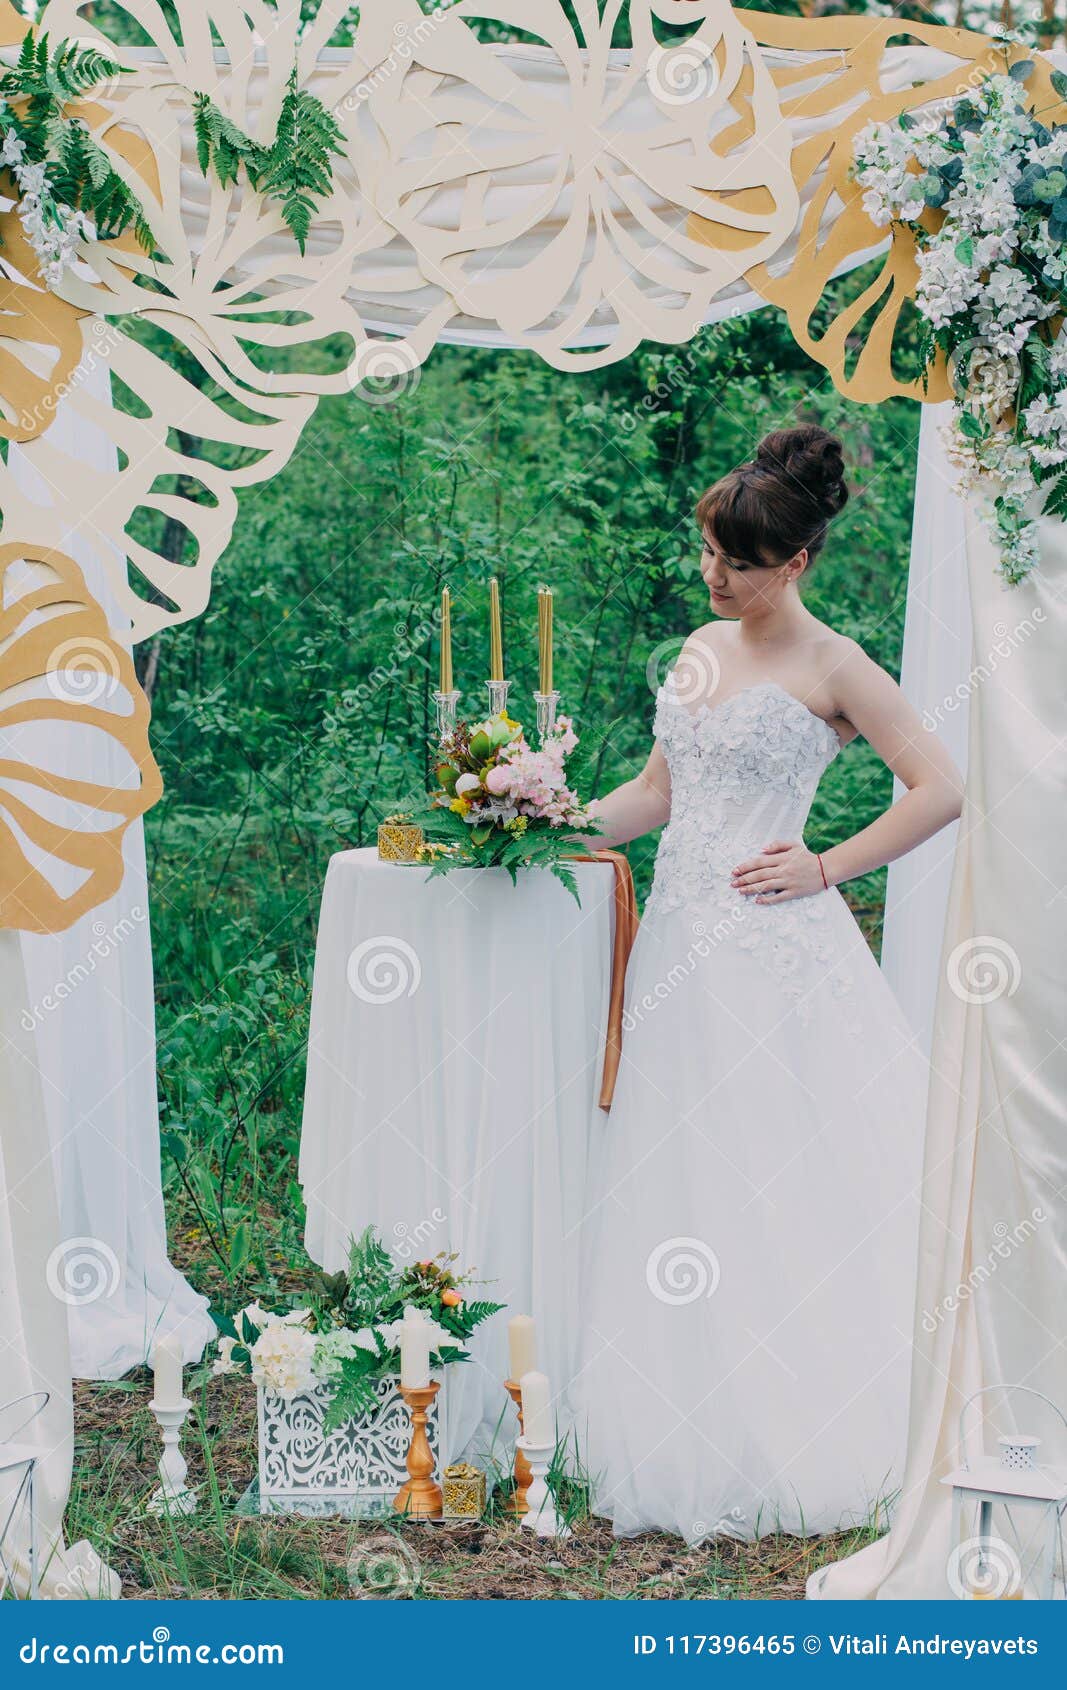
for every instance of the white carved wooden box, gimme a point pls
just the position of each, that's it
(355, 1471)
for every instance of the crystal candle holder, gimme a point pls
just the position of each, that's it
(446, 712)
(498, 697)
(546, 703)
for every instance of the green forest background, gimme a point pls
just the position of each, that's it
(294, 714)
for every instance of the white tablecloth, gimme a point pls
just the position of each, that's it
(457, 1037)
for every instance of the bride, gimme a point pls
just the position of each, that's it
(750, 1261)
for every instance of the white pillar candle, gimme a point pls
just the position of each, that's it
(522, 1346)
(537, 1423)
(414, 1350)
(167, 1369)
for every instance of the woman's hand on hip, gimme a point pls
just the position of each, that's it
(784, 870)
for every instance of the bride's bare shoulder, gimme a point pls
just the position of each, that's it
(830, 650)
(709, 635)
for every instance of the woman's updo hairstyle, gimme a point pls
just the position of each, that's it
(781, 503)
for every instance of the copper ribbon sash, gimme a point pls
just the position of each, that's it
(626, 923)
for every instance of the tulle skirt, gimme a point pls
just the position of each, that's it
(750, 1251)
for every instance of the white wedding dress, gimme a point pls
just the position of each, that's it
(751, 1242)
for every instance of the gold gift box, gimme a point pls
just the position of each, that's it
(400, 842)
(464, 1492)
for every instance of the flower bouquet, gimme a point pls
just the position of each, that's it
(979, 184)
(502, 804)
(346, 1337)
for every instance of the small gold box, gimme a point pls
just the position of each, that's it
(464, 1492)
(400, 842)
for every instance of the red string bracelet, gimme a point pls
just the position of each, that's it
(822, 871)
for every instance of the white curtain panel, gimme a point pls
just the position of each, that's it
(90, 1008)
(993, 1248)
(936, 677)
(34, 1357)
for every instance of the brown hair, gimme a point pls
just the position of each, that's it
(781, 503)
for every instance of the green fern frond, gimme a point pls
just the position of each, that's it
(296, 169)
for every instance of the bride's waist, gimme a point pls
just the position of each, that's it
(695, 860)
(721, 840)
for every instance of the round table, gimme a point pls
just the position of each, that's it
(454, 1067)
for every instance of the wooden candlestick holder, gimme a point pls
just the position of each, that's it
(421, 1498)
(516, 1504)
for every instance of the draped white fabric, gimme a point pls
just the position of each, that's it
(90, 1003)
(33, 1330)
(383, 287)
(935, 666)
(993, 1249)
(454, 1064)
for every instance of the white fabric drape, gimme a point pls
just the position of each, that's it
(454, 1063)
(90, 999)
(33, 1329)
(382, 289)
(935, 668)
(993, 1249)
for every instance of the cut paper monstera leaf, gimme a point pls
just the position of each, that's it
(61, 835)
(847, 79)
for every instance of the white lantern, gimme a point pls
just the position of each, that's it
(18, 1471)
(1007, 1513)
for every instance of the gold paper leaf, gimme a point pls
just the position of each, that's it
(60, 834)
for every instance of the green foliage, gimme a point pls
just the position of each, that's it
(295, 169)
(538, 846)
(296, 713)
(36, 90)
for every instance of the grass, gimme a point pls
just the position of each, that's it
(218, 1554)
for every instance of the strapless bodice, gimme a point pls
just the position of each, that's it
(743, 774)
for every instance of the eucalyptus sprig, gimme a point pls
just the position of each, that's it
(295, 169)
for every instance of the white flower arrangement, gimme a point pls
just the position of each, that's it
(347, 1338)
(981, 185)
(286, 1357)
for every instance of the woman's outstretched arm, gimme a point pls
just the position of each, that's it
(636, 807)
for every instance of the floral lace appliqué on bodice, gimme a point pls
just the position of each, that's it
(743, 774)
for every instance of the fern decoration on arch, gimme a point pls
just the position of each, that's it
(67, 184)
(295, 169)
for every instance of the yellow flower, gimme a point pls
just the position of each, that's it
(460, 806)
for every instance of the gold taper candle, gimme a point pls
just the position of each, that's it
(496, 636)
(446, 641)
(544, 628)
